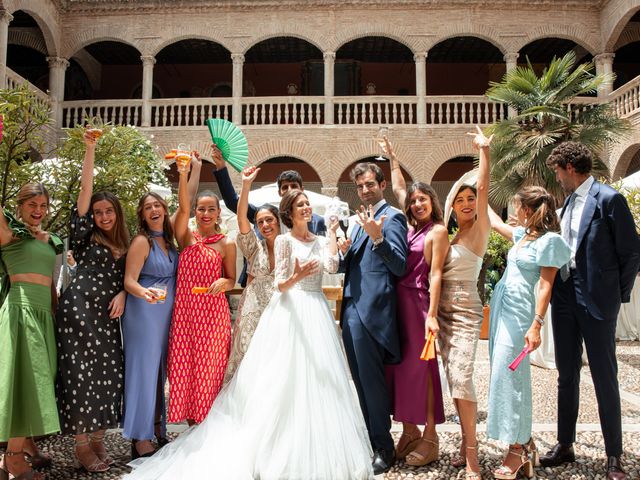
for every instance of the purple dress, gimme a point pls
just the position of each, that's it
(408, 380)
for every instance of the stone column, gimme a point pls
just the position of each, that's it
(511, 61)
(238, 66)
(57, 68)
(330, 191)
(329, 86)
(421, 86)
(5, 19)
(148, 61)
(604, 66)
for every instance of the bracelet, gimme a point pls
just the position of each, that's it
(539, 318)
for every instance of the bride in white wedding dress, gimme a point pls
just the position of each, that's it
(290, 411)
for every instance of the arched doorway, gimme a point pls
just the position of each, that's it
(28, 59)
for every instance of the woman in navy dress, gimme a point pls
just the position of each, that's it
(152, 263)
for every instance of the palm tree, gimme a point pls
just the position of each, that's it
(546, 117)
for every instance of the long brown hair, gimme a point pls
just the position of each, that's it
(436, 209)
(286, 206)
(118, 238)
(28, 191)
(143, 228)
(543, 217)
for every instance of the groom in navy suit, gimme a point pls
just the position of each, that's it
(372, 259)
(599, 228)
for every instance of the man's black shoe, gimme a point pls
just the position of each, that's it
(558, 455)
(383, 461)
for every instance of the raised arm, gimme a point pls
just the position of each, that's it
(6, 234)
(500, 226)
(183, 235)
(86, 178)
(482, 143)
(225, 185)
(192, 184)
(398, 184)
(248, 176)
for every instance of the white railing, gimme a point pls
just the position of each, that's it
(282, 110)
(14, 80)
(118, 112)
(188, 112)
(375, 110)
(463, 110)
(626, 99)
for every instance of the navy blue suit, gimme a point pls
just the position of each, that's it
(586, 306)
(369, 327)
(316, 225)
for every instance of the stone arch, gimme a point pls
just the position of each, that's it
(616, 20)
(295, 31)
(458, 148)
(628, 36)
(28, 39)
(488, 34)
(394, 32)
(567, 32)
(188, 36)
(45, 15)
(621, 155)
(101, 33)
(292, 148)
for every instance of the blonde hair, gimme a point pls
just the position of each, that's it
(543, 217)
(28, 191)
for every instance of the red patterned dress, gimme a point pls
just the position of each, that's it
(200, 334)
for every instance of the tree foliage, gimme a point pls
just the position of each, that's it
(546, 117)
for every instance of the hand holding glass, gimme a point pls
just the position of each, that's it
(382, 133)
(183, 157)
(160, 289)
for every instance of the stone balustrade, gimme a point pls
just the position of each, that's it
(626, 99)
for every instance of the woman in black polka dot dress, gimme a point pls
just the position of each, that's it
(90, 365)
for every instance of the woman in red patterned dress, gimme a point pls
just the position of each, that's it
(200, 335)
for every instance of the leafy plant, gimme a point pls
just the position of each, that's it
(632, 195)
(493, 265)
(26, 121)
(547, 114)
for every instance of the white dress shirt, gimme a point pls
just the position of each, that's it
(576, 215)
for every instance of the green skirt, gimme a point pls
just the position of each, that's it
(27, 363)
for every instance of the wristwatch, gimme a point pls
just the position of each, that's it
(539, 318)
(378, 241)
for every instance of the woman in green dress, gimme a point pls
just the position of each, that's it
(27, 339)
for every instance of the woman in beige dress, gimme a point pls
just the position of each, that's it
(460, 312)
(260, 259)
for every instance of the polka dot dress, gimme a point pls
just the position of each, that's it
(200, 335)
(90, 374)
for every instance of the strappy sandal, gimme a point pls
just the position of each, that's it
(459, 460)
(409, 447)
(468, 474)
(5, 474)
(532, 450)
(98, 439)
(503, 472)
(417, 459)
(160, 440)
(97, 466)
(38, 460)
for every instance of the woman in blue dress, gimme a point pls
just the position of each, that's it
(517, 315)
(150, 274)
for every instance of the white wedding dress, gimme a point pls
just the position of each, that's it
(290, 411)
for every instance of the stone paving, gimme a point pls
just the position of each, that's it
(589, 445)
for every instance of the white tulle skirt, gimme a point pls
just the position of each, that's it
(289, 412)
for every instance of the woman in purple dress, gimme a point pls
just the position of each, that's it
(415, 384)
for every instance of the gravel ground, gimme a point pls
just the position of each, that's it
(589, 445)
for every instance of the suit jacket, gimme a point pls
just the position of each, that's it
(607, 253)
(371, 275)
(317, 224)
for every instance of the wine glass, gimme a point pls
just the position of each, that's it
(183, 156)
(382, 132)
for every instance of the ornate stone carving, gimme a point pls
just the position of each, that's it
(237, 58)
(58, 62)
(148, 60)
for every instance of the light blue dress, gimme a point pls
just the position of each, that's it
(145, 331)
(512, 311)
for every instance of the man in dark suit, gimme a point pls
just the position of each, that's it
(597, 224)
(372, 259)
(287, 180)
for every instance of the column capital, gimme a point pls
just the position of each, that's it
(604, 58)
(330, 190)
(58, 62)
(237, 58)
(148, 59)
(420, 57)
(511, 57)
(329, 56)
(5, 16)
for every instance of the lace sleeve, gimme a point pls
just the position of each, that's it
(330, 262)
(248, 244)
(283, 257)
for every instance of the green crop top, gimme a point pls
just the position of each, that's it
(28, 255)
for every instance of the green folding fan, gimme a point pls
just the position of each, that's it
(231, 142)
